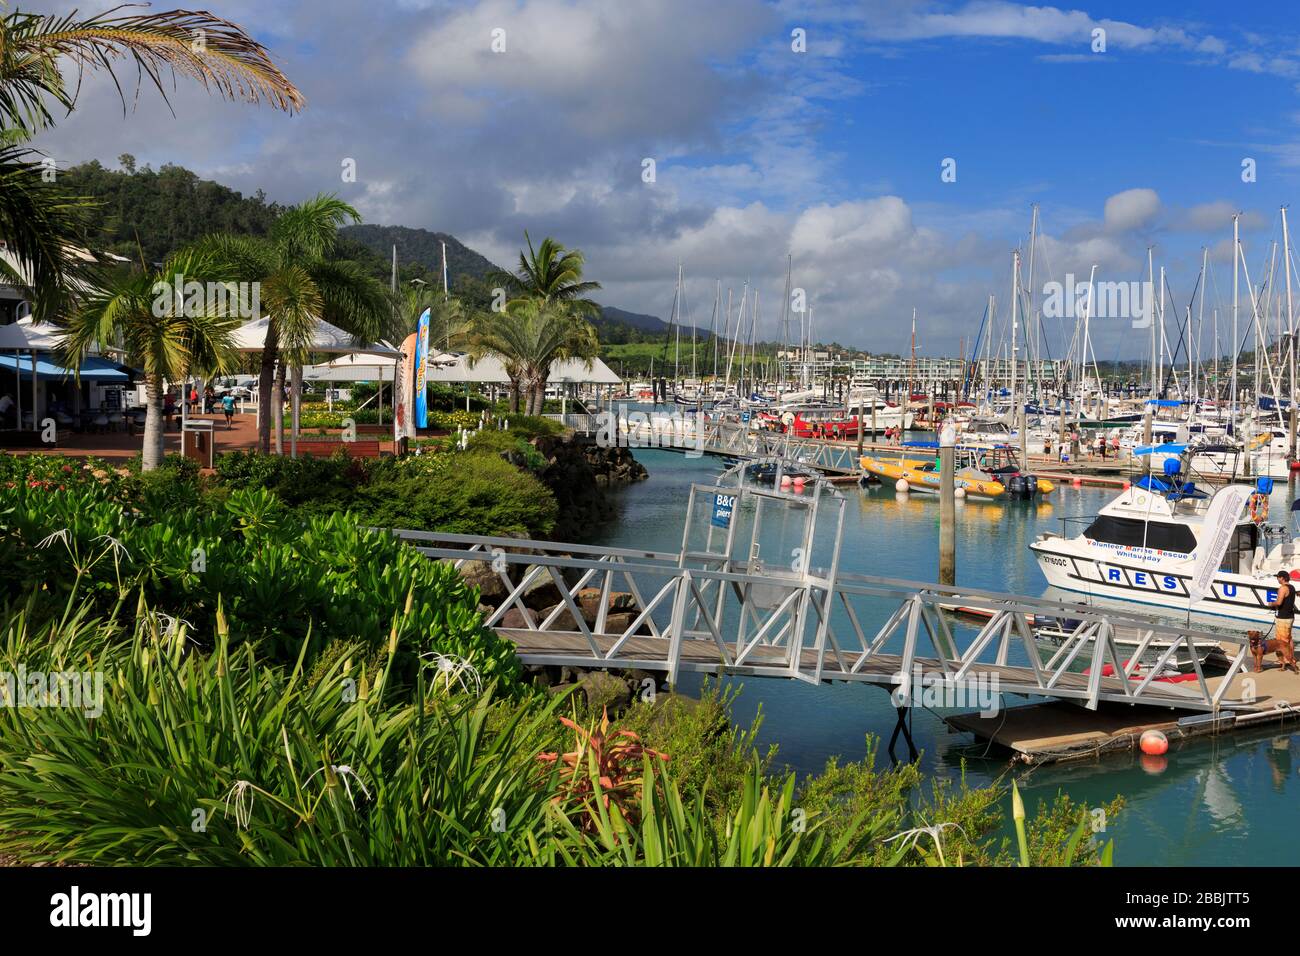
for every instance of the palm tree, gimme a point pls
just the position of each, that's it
(449, 325)
(550, 273)
(299, 284)
(169, 338)
(42, 228)
(528, 338)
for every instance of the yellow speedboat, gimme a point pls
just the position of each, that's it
(988, 471)
(924, 476)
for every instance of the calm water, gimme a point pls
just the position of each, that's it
(1216, 801)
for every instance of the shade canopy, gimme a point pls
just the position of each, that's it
(93, 368)
(358, 367)
(251, 337)
(30, 336)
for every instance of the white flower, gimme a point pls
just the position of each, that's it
(50, 539)
(242, 794)
(344, 771)
(454, 669)
(116, 545)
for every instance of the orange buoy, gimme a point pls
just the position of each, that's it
(785, 481)
(1077, 482)
(1154, 765)
(1128, 485)
(1154, 743)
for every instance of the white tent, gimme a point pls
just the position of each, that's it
(30, 336)
(358, 367)
(251, 337)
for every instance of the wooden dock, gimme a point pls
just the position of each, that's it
(1058, 730)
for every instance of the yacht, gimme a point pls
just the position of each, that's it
(1144, 545)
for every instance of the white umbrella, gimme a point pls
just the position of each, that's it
(251, 337)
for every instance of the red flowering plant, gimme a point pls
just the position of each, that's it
(604, 762)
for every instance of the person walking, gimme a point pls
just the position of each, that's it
(228, 408)
(1284, 603)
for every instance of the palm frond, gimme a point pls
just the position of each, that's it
(44, 231)
(213, 51)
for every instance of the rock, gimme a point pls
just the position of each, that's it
(618, 623)
(540, 676)
(605, 691)
(564, 622)
(542, 592)
(558, 689)
(619, 602)
(479, 574)
(513, 618)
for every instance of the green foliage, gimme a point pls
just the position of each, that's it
(479, 494)
(287, 581)
(155, 212)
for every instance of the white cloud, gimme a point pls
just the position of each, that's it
(1131, 209)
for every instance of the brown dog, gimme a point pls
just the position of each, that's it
(1259, 647)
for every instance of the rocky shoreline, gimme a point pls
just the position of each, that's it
(579, 472)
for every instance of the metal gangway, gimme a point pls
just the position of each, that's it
(686, 432)
(724, 605)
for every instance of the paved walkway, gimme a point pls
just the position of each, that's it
(123, 445)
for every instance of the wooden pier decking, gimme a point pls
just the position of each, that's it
(1057, 730)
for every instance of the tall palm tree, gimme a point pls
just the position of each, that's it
(299, 284)
(528, 338)
(169, 338)
(42, 228)
(550, 273)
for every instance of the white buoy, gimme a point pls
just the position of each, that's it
(959, 493)
(902, 485)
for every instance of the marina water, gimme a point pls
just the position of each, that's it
(1216, 800)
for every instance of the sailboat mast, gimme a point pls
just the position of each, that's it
(1236, 271)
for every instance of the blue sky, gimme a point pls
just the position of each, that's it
(832, 155)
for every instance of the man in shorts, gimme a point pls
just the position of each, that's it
(228, 408)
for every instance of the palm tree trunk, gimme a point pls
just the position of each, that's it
(277, 408)
(151, 454)
(265, 382)
(514, 395)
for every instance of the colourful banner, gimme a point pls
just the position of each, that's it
(422, 371)
(404, 391)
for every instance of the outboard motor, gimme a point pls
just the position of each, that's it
(1017, 486)
(1031, 485)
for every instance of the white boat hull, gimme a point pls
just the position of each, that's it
(1128, 578)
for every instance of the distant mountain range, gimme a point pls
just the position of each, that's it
(145, 214)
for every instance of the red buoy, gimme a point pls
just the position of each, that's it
(1154, 743)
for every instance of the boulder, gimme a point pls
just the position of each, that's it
(589, 601)
(564, 622)
(542, 592)
(479, 574)
(513, 618)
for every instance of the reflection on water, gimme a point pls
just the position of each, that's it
(1214, 800)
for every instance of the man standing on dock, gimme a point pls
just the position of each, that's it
(1285, 604)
